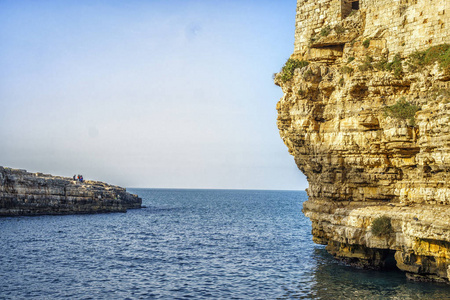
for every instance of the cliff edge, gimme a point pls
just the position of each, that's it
(366, 115)
(27, 194)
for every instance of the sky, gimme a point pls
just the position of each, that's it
(151, 94)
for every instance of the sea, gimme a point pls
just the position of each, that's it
(188, 244)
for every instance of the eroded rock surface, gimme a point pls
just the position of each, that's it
(26, 194)
(361, 162)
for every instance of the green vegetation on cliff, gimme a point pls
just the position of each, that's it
(287, 72)
(325, 31)
(440, 54)
(394, 66)
(402, 110)
(366, 43)
(381, 226)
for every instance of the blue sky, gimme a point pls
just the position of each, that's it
(163, 94)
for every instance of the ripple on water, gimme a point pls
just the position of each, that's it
(187, 244)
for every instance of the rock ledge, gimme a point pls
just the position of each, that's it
(29, 194)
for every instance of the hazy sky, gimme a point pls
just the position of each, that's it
(170, 94)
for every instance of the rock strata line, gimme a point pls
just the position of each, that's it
(28, 194)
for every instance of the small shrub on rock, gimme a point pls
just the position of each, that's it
(381, 226)
(366, 43)
(396, 66)
(367, 65)
(307, 74)
(287, 72)
(402, 110)
(325, 31)
(346, 70)
(381, 64)
(339, 29)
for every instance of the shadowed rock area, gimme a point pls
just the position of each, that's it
(28, 194)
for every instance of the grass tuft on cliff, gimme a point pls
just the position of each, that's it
(325, 31)
(381, 226)
(347, 70)
(366, 43)
(339, 29)
(402, 110)
(287, 72)
(394, 66)
(367, 65)
(439, 53)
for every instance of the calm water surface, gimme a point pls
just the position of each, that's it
(187, 244)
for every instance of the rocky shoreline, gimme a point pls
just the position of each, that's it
(29, 194)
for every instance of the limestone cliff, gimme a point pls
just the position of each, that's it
(24, 194)
(366, 115)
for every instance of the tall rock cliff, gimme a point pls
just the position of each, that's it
(366, 115)
(26, 194)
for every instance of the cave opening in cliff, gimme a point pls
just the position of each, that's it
(389, 262)
(355, 5)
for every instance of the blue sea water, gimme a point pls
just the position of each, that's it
(187, 244)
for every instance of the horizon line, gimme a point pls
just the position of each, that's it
(231, 189)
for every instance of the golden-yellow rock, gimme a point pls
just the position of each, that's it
(364, 154)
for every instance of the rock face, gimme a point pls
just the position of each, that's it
(368, 123)
(26, 194)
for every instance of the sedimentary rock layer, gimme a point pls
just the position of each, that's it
(26, 194)
(342, 119)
